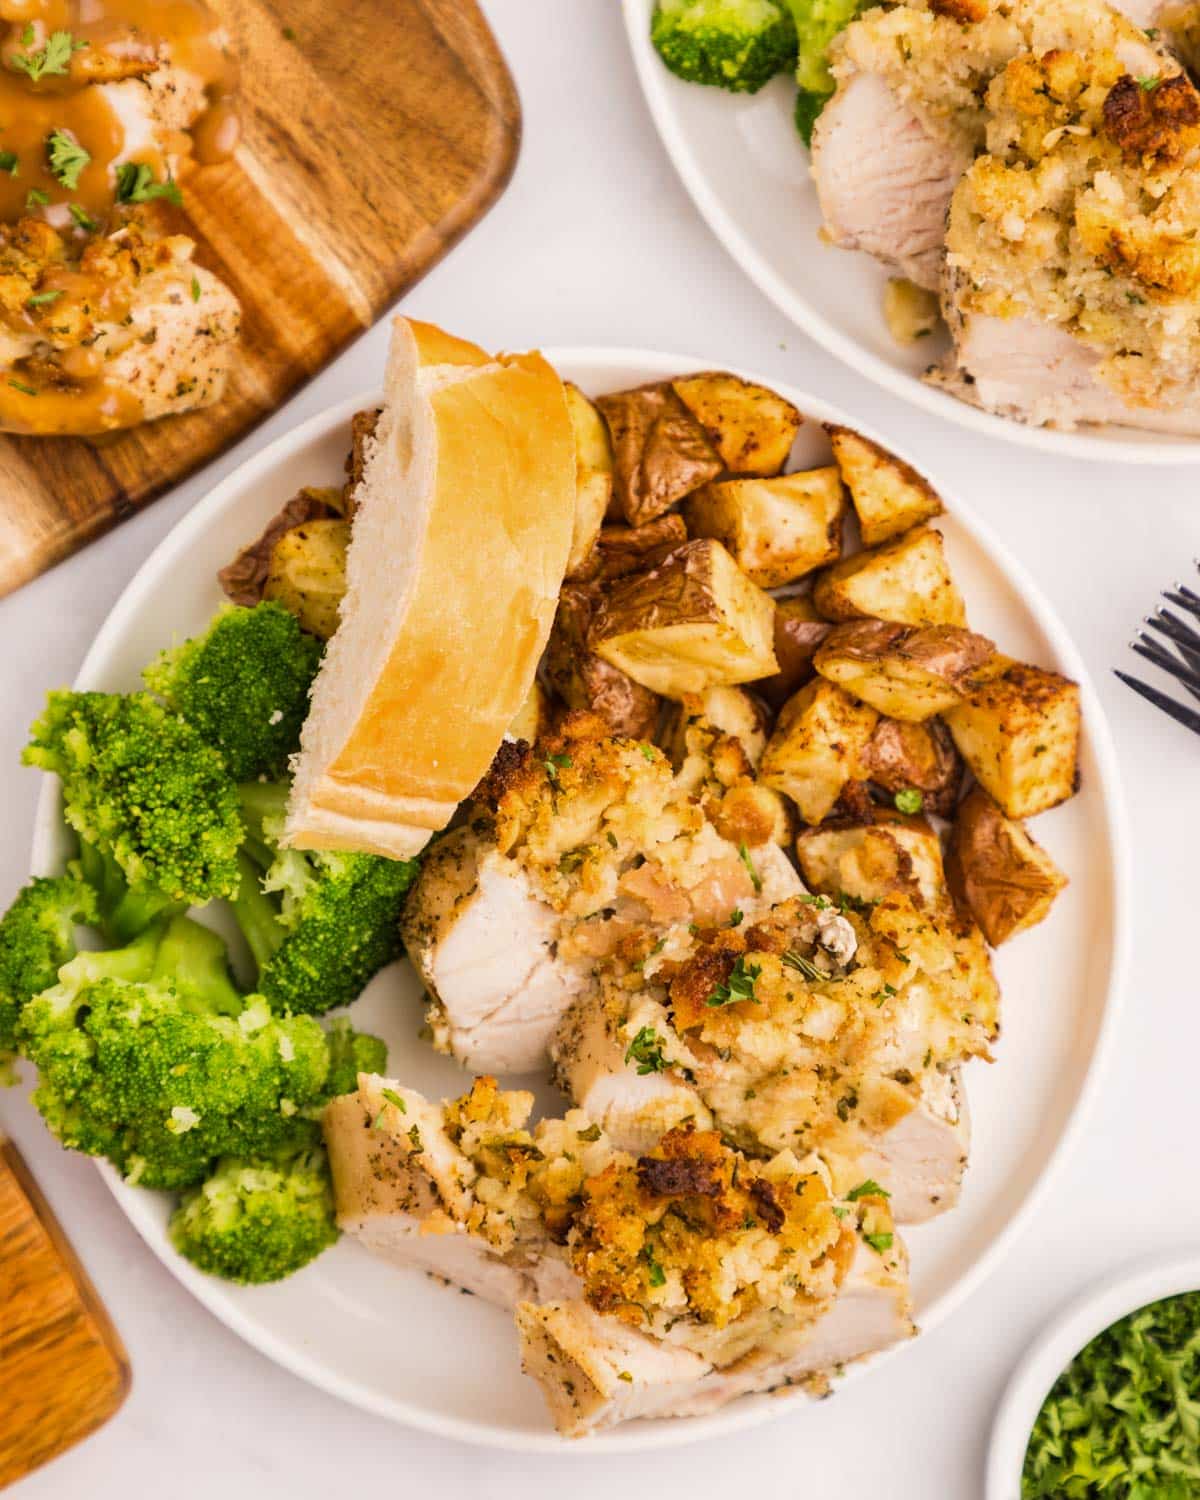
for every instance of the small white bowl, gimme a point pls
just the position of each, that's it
(1099, 1308)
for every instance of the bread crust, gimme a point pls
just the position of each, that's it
(471, 484)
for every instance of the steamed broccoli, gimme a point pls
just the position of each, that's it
(734, 44)
(258, 1220)
(140, 785)
(37, 936)
(337, 922)
(149, 1056)
(243, 685)
(125, 910)
(351, 1053)
(817, 23)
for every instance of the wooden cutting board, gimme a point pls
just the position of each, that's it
(63, 1370)
(376, 133)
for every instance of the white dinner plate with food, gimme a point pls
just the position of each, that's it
(400, 1344)
(747, 170)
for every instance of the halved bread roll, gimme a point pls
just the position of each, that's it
(461, 534)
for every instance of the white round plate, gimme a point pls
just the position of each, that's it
(396, 1343)
(1099, 1308)
(746, 169)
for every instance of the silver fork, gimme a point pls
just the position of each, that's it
(1180, 659)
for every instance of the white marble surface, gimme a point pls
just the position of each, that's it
(595, 242)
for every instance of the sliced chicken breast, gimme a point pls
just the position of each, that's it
(596, 1372)
(883, 181)
(1041, 374)
(484, 943)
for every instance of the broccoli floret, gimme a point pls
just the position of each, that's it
(336, 922)
(808, 108)
(148, 1056)
(817, 23)
(140, 785)
(37, 936)
(734, 44)
(258, 1220)
(125, 910)
(351, 1053)
(244, 685)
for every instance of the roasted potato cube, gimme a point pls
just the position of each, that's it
(621, 550)
(307, 573)
(815, 748)
(245, 578)
(593, 477)
(889, 495)
(694, 622)
(584, 681)
(799, 630)
(905, 671)
(751, 427)
(998, 873)
(776, 530)
(533, 720)
(1020, 736)
(723, 713)
(890, 855)
(660, 451)
(921, 758)
(907, 581)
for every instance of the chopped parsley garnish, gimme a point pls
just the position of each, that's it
(755, 877)
(10, 162)
(554, 764)
(646, 1051)
(82, 217)
(739, 986)
(67, 158)
(195, 289)
(648, 752)
(884, 994)
(26, 390)
(736, 917)
(1120, 1421)
(591, 1133)
(288, 34)
(655, 1275)
(136, 184)
(868, 1189)
(840, 1213)
(879, 1242)
(822, 903)
(393, 1097)
(54, 57)
(35, 198)
(1148, 84)
(804, 966)
(40, 298)
(414, 1136)
(909, 801)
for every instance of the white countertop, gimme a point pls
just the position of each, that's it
(595, 242)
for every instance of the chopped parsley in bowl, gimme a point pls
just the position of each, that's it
(1122, 1421)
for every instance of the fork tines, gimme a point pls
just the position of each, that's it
(1182, 663)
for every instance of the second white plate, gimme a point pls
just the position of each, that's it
(396, 1343)
(746, 169)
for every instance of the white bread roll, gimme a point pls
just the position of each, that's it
(460, 543)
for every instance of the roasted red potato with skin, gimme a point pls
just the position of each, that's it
(660, 452)
(907, 581)
(585, 681)
(692, 623)
(621, 550)
(799, 630)
(902, 757)
(1020, 736)
(815, 747)
(997, 873)
(751, 427)
(888, 495)
(776, 530)
(593, 479)
(904, 671)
